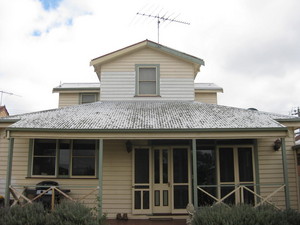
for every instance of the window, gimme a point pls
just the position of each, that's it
(147, 80)
(64, 158)
(88, 98)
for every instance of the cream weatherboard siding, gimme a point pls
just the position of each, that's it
(68, 99)
(271, 171)
(206, 97)
(118, 77)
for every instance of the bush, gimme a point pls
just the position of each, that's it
(31, 214)
(245, 215)
(71, 213)
(66, 213)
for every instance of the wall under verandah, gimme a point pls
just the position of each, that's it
(271, 171)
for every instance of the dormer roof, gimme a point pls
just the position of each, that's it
(197, 62)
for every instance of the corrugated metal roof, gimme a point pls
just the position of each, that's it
(146, 115)
(207, 86)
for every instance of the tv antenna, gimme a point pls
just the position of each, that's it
(163, 19)
(7, 93)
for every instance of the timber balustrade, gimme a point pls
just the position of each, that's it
(51, 195)
(242, 193)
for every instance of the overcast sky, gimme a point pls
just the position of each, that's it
(251, 48)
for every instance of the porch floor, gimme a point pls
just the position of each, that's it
(146, 222)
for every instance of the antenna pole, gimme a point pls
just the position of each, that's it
(163, 18)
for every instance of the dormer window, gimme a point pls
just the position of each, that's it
(147, 80)
(88, 98)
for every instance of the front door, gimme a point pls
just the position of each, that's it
(162, 181)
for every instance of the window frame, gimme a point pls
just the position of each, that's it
(57, 160)
(91, 94)
(157, 81)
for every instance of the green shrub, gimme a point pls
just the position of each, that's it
(31, 214)
(245, 215)
(71, 213)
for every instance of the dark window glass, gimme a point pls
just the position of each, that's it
(204, 199)
(88, 98)
(156, 167)
(83, 157)
(137, 200)
(83, 166)
(44, 157)
(231, 198)
(165, 161)
(43, 166)
(180, 196)
(180, 165)
(226, 165)
(141, 165)
(245, 164)
(206, 167)
(64, 157)
(146, 204)
(44, 147)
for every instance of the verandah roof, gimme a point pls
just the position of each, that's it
(146, 115)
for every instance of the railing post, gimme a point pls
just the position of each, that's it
(195, 175)
(52, 198)
(285, 174)
(100, 178)
(8, 171)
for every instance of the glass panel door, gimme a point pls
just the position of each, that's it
(141, 181)
(180, 178)
(235, 168)
(161, 183)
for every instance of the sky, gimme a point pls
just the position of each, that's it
(251, 48)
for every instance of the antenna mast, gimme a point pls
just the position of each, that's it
(162, 18)
(8, 93)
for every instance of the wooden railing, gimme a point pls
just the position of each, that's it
(20, 193)
(240, 191)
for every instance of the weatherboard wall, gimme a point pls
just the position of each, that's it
(271, 171)
(68, 99)
(118, 77)
(206, 97)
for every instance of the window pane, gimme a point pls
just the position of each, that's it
(157, 198)
(146, 204)
(88, 98)
(231, 198)
(165, 166)
(137, 200)
(83, 166)
(156, 167)
(226, 165)
(64, 157)
(44, 147)
(206, 167)
(180, 196)
(148, 87)
(180, 165)
(147, 74)
(43, 166)
(141, 166)
(245, 164)
(84, 147)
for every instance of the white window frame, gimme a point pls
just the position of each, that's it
(157, 77)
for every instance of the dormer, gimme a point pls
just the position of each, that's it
(147, 71)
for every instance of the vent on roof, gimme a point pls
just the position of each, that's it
(254, 109)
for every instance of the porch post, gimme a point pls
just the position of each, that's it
(100, 174)
(8, 171)
(195, 182)
(285, 174)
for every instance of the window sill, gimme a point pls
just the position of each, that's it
(61, 178)
(142, 96)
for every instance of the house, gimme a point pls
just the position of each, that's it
(148, 141)
(3, 111)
